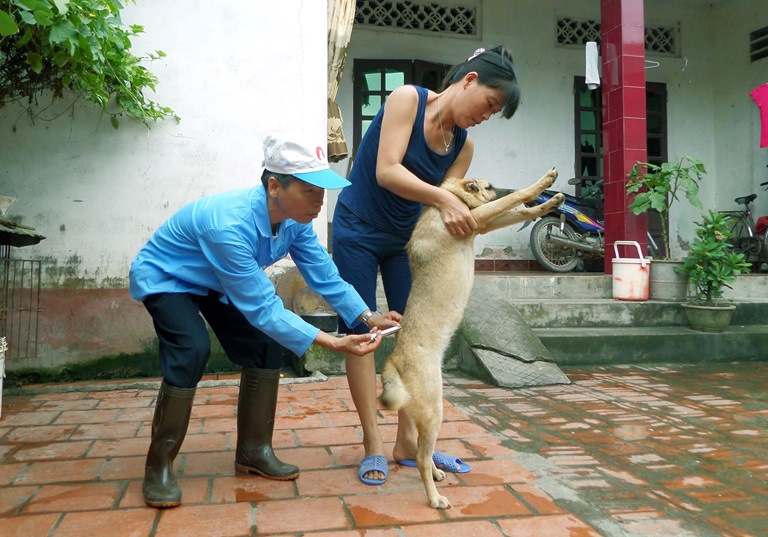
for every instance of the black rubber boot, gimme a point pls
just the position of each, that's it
(256, 406)
(169, 427)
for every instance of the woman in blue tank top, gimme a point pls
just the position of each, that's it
(418, 138)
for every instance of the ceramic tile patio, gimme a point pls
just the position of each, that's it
(623, 451)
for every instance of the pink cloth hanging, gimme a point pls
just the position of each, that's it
(760, 96)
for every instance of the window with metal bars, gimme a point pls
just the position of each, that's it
(573, 32)
(374, 80)
(758, 44)
(416, 16)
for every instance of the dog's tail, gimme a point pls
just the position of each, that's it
(394, 396)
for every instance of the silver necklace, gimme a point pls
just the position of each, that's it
(440, 118)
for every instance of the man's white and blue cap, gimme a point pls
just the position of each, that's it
(304, 160)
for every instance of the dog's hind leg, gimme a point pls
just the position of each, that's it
(394, 396)
(427, 468)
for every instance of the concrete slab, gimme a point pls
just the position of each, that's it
(497, 345)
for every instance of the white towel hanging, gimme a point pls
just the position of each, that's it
(592, 76)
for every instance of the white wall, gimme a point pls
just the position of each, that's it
(690, 103)
(741, 161)
(710, 115)
(511, 153)
(234, 72)
(237, 71)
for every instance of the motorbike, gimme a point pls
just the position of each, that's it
(572, 236)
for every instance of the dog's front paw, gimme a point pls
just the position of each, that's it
(440, 502)
(558, 199)
(551, 176)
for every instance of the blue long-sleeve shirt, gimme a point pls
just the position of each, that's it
(223, 243)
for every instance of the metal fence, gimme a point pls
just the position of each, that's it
(19, 304)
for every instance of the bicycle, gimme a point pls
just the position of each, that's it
(745, 236)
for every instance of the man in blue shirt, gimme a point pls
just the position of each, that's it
(207, 262)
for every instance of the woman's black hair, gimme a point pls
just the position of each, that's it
(494, 69)
(282, 178)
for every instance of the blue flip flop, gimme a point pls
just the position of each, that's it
(369, 464)
(443, 462)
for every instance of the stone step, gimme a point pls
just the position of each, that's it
(565, 313)
(635, 345)
(520, 327)
(547, 285)
(579, 323)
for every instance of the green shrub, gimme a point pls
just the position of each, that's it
(712, 264)
(76, 46)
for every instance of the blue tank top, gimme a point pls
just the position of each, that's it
(380, 207)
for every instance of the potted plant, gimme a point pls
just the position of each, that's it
(659, 187)
(711, 266)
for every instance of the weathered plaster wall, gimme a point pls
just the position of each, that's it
(234, 72)
(80, 324)
(710, 114)
(741, 163)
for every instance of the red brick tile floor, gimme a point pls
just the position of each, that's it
(670, 450)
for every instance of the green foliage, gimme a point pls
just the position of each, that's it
(658, 187)
(712, 264)
(78, 46)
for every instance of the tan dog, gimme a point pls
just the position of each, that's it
(443, 268)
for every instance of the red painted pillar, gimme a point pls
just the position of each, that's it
(622, 29)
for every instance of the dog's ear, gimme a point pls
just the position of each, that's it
(471, 186)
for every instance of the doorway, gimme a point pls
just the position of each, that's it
(588, 125)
